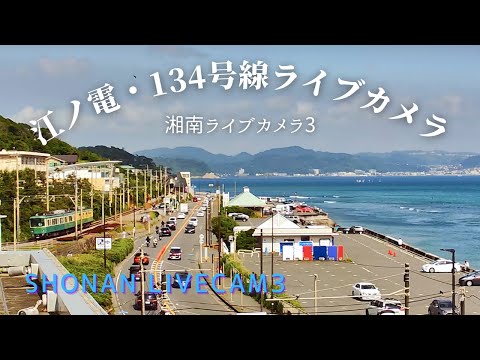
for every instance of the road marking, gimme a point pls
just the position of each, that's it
(333, 275)
(366, 270)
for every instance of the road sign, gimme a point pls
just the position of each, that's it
(230, 238)
(305, 243)
(103, 243)
(202, 237)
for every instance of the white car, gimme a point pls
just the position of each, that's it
(203, 208)
(385, 307)
(174, 219)
(441, 266)
(366, 291)
(193, 221)
(200, 214)
(181, 216)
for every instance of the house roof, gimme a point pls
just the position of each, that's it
(68, 158)
(55, 158)
(247, 199)
(279, 222)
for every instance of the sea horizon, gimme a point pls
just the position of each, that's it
(428, 212)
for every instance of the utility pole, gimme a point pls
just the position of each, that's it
(315, 277)
(261, 268)
(76, 205)
(219, 234)
(462, 300)
(14, 224)
(271, 287)
(142, 284)
(81, 209)
(115, 204)
(91, 187)
(46, 183)
(406, 280)
(19, 229)
(122, 199)
(145, 187)
(128, 190)
(151, 179)
(136, 187)
(452, 251)
(103, 220)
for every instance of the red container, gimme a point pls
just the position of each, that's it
(308, 253)
(340, 252)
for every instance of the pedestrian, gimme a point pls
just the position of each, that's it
(466, 266)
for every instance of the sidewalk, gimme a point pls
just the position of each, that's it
(240, 302)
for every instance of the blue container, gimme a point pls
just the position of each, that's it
(332, 253)
(319, 252)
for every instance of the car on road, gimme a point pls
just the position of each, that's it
(171, 225)
(366, 291)
(385, 306)
(165, 231)
(441, 307)
(472, 279)
(193, 221)
(151, 302)
(175, 253)
(441, 266)
(173, 218)
(189, 229)
(135, 270)
(138, 257)
(181, 215)
(356, 230)
(182, 277)
(200, 214)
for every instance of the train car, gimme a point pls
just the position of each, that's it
(58, 222)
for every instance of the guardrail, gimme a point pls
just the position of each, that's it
(401, 244)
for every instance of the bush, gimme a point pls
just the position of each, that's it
(245, 240)
(120, 250)
(239, 209)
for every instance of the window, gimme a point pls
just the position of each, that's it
(305, 238)
(289, 240)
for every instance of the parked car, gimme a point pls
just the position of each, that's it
(189, 229)
(175, 253)
(181, 215)
(182, 277)
(151, 302)
(241, 217)
(385, 306)
(166, 231)
(193, 221)
(366, 291)
(441, 307)
(344, 230)
(472, 279)
(441, 266)
(232, 215)
(356, 229)
(171, 225)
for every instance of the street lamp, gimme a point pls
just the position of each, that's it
(453, 277)
(1, 217)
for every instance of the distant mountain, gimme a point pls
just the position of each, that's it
(471, 162)
(196, 168)
(113, 153)
(19, 136)
(296, 159)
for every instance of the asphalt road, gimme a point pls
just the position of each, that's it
(372, 263)
(189, 303)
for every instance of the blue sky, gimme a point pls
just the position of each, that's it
(441, 80)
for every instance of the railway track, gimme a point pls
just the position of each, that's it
(34, 243)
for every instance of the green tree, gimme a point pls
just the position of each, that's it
(222, 226)
(245, 240)
(239, 209)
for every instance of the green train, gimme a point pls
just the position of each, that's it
(58, 222)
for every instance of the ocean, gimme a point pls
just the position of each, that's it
(428, 212)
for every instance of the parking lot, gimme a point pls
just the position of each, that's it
(371, 262)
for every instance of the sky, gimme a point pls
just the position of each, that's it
(442, 81)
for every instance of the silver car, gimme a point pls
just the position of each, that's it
(440, 307)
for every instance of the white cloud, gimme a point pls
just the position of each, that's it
(304, 108)
(279, 102)
(452, 102)
(28, 113)
(57, 67)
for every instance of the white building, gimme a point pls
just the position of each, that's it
(286, 231)
(22, 160)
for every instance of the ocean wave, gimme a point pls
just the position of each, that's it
(403, 207)
(299, 197)
(335, 196)
(328, 202)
